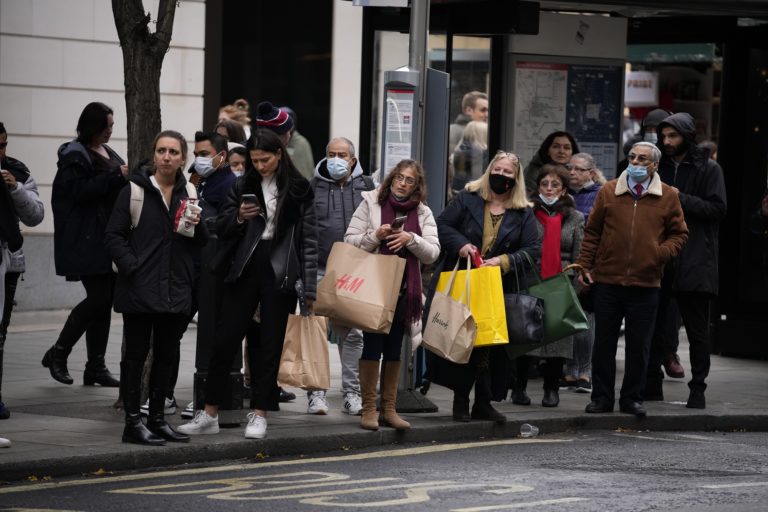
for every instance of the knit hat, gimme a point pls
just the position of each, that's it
(273, 118)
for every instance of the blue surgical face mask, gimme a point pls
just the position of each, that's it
(549, 201)
(238, 173)
(337, 168)
(651, 137)
(637, 172)
(204, 166)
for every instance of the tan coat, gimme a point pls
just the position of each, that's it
(628, 241)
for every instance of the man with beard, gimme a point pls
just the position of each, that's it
(692, 277)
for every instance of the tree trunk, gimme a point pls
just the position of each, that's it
(143, 54)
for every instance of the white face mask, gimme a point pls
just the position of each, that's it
(238, 173)
(549, 201)
(204, 165)
(337, 168)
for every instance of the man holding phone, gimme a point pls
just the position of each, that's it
(338, 184)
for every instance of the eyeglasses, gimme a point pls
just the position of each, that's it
(640, 158)
(576, 168)
(404, 179)
(555, 184)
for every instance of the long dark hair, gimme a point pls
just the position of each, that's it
(543, 151)
(93, 121)
(289, 180)
(419, 192)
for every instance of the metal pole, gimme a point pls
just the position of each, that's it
(417, 51)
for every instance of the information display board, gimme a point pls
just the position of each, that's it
(398, 127)
(580, 96)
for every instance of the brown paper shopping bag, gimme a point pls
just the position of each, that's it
(304, 362)
(360, 288)
(450, 330)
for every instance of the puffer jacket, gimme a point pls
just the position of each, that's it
(585, 197)
(155, 264)
(367, 219)
(335, 203)
(29, 209)
(628, 240)
(702, 196)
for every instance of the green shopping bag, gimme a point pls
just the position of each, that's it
(563, 315)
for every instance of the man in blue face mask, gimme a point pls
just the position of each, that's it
(338, 183)
(636, 226)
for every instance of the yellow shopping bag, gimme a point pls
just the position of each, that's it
(486, 302)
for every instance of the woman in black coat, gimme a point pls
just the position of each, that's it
(89, 177)
(493, 217)
(154, 283)
(268, 219)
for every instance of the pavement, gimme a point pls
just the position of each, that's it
(58, 430)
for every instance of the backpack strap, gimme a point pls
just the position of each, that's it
(136, 204)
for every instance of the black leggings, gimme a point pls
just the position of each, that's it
(92, 316)
(265, 345)
(11, 280)
(389, 345)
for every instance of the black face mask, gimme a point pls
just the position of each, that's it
(500, 184)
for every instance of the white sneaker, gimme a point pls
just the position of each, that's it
(5, 443)
(189, 411)
(256, 428)
(170, 407)
(200, 424)
(317, 403)
(352, 404)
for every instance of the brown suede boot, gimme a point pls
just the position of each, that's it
(389, 396)
(369, 378)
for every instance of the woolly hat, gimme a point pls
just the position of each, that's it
(273, 118)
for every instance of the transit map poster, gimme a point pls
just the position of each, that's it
(584, 99)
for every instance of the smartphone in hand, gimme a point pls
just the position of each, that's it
(398, 222)
(250, 199)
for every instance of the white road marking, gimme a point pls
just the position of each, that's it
(528, 504)
(733, 486)
(403, 452)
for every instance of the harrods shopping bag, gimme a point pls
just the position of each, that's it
(360, 288)
(486, 301)
(305, 362)
(450, 330)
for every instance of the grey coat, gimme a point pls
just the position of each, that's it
(571, 235)
(26, 201)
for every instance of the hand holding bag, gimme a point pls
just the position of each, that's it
(304, 362)
(486, 302)
(451, 331)
(563, 315)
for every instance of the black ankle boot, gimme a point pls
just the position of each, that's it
(156, 419)
(520, 397)
(485, 411)
(56, 361)
(135, 431)
(551, 398)
(461, 408)
(96, 372)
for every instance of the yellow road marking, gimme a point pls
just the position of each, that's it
(403, 452)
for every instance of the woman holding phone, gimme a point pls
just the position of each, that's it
(268, 218)
(393, 219)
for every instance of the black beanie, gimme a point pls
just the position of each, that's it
(273, 118)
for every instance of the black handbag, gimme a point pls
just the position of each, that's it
(525, 315)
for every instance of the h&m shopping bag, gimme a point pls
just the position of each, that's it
(360, 288)
(486, 302)
(304, 363)
(450, 331)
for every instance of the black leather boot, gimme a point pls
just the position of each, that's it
(96, 372)
(551, 371)
(156, 420)
(482, 408)
(135, 431)
(461, 407)
(56, 361)
(551, 398)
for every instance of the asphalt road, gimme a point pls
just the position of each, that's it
(602, 471)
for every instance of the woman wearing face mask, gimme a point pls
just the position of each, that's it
(561, 228)
(237, 158)
(402, 193)
(557, 148)
(490, 216)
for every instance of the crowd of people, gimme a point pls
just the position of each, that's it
(134, 238)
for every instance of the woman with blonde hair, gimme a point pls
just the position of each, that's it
(490, 217)
(239, 111)
(470, 157)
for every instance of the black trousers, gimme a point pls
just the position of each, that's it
(91, 316)
(388, 345)
(265, 345)
(11, 281)
(637, 306)
(163, 330)
(694, 308)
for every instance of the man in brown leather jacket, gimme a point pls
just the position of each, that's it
(636, 226)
